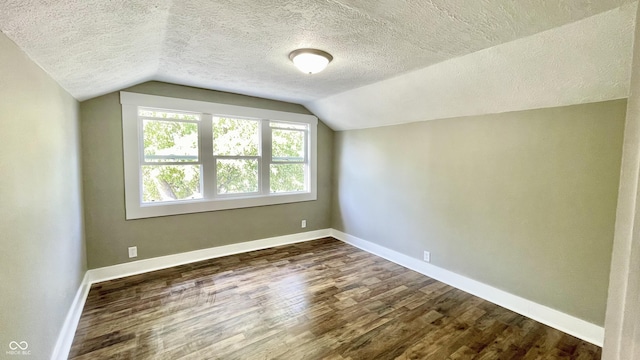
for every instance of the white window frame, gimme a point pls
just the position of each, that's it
(132, 156)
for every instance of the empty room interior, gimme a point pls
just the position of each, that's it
(335, 179)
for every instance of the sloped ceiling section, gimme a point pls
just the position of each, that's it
(582, 62)
(89, 47)
(384, 51)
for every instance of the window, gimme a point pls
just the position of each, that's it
(183, 156)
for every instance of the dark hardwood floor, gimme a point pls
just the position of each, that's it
(316, 300)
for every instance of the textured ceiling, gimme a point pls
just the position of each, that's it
(582, 62)
(92, 47)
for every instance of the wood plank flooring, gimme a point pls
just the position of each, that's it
(316, 300)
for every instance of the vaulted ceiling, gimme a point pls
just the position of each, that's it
(394, 61)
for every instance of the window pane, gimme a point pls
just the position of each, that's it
(170, 141)
(167, 115)
(170, 182)
(237, 176)
(287, 145)
(235, 137)
(287, 177)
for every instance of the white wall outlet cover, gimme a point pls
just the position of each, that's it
(303, 224)
(133, 251)
(427, 256)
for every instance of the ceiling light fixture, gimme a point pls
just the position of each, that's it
(310, 61)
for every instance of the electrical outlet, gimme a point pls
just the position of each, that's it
(133, 251)
(303, 224)
(427, 256)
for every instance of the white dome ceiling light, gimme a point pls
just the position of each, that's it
(310, 61)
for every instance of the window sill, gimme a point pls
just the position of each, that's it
(148, 210)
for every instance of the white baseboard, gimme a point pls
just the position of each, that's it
(554, 318)
(163, 262)
(65, 339)
(569, 324)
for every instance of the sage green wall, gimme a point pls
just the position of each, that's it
(108, 234)
(522, 201)
(41, 234)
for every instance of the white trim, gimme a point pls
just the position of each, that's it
(187, 105)
(68, 331)
(163, 262)
(559, 320)
(622, 322)
(131, 133)
(65, 339)
(548, 316)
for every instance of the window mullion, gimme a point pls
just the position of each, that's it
(265, 163)
(239, 157)
(206, 156)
